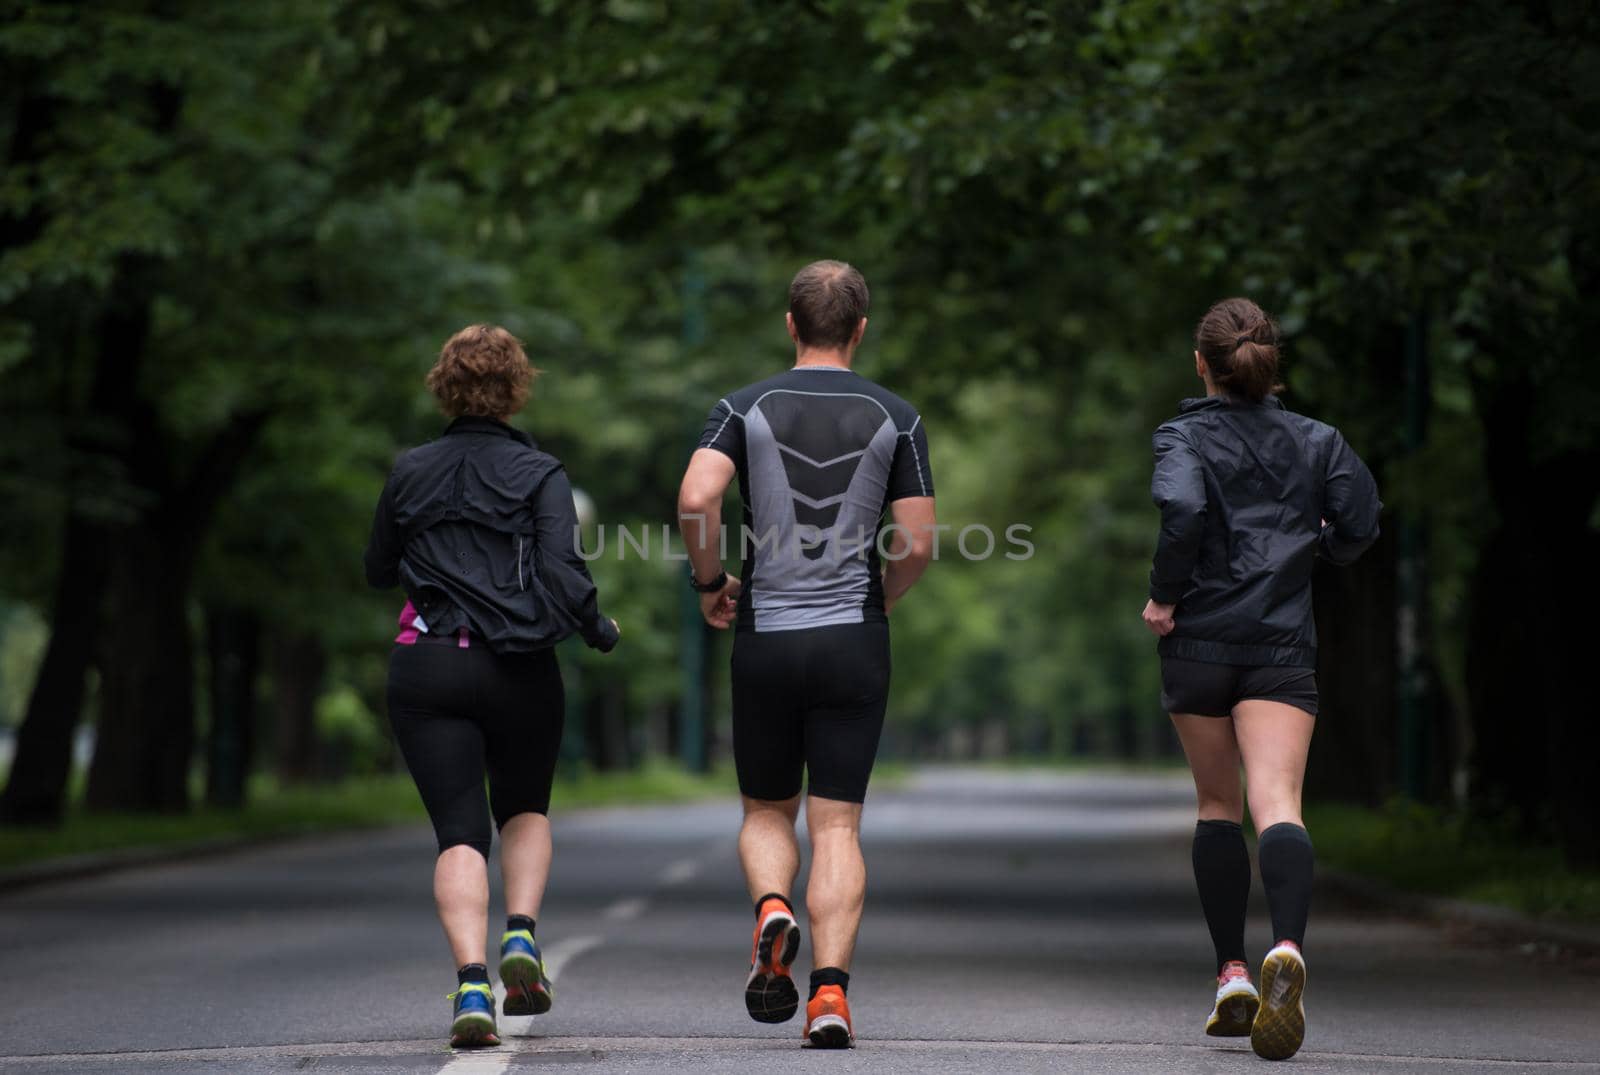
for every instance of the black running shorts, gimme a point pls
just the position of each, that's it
(809, 700)
(1212, 690)
(460, 714)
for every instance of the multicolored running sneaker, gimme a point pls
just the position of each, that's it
(828, 1020)
(769, 992)
(1237, 1001)
(473, 1025)
(1280, 1026)
(528, 988)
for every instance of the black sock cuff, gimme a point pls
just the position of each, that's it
(774, 896)
(1286, 831)
(472, 972)
(1218, 827)
(519, 921)
(830, 976)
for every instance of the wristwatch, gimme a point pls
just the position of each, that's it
(713, 586)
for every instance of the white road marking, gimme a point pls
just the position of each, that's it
(479, 1062)
(559, 954)
(679, 872)
(625, 910)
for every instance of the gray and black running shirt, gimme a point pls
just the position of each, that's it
(821, 451)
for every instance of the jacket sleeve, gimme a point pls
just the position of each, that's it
(1350, 505)
(384, 546)
(1179, 490)
(561, 568)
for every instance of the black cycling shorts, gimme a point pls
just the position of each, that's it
(1212, 690)
(459, 714)
(810, 700)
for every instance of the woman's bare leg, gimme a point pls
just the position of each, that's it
(461, 891)
(525, 852)
(1274, 740)
(1213, 753)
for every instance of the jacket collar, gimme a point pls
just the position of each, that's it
(1210, 403)
(475, 423)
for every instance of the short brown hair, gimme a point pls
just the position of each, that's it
(827, 300)
(1240, 345)
(481, 370)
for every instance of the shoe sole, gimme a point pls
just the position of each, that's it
(769, 994)
(1280, 1025)
(1233, 1017)
(528, 988)
(830, 1032)
(473, 1031)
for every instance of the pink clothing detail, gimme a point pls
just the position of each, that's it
(409, 633)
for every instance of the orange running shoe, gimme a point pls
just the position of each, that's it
(769, 992)
(828, 1020)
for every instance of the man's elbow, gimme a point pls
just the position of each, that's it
(696, 503)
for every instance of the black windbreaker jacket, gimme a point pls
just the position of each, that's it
(479, 528)
(1243, 490)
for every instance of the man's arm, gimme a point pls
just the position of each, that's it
(910, 546)
(700, 521)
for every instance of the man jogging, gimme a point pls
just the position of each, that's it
(821, 455)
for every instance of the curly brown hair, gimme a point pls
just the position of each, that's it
(482, 370)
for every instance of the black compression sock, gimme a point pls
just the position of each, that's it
(830, 976)
(774, 896)
(472, 972)
(1222, 874)
(519, 921)
(1287, 864)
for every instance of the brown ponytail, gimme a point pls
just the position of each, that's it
(1240, 345)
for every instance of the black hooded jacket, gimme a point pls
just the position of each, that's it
(1244, 489)
(479, 528)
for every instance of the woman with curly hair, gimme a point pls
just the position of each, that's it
(1250, 495)
(478, 527)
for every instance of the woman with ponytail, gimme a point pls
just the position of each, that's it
(1250, 495)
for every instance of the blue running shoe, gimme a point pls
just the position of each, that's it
(473, 1024)
(528, 987)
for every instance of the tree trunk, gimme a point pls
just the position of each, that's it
(298, 666)
(233, 645)
(37, 789)
(606, 728)
(146, 732)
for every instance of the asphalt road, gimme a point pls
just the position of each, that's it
(1015, 922)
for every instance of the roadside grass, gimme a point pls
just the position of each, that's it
(1421, 849)
(358, 802)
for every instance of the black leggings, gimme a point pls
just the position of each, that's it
(459, 712)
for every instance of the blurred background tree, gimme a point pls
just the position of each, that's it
(231, 240)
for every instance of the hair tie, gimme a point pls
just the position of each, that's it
(1240, 341)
